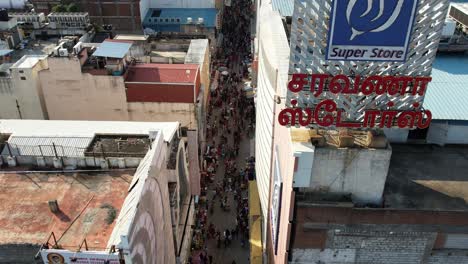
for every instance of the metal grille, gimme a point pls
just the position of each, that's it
(309, 34)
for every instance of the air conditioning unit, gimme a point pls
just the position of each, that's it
(63, 52)
(56, 50)
(201, 20)
(189, 20)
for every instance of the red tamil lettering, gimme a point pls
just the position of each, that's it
(420, 85)
(425, 122)
(369, 118)
(405, 81)
(297, 83)
(387, 118)
(338, 84)
(321, 84)
(370, 84)
(292, 116)
(355, 90)
(339, 123)
(327, 120)
(407, 119)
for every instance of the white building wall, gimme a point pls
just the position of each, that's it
(144, 6)
(8, 109)
(27, 88)
(21, 93)
(361, 172)
(273, 63)
(396, 135)
(445, 132)
(183, 4)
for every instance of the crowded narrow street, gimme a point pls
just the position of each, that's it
(222, 234)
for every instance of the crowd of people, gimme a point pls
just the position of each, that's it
(230, 120)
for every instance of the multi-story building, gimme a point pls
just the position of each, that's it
(72, 83)
(126, 15)
(123, 15)
(335, 195)
(95, 192)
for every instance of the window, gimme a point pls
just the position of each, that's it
(172, 20)
(183, 131)
(23, 78)
(21, 71)
(178, 20)
(167, 19)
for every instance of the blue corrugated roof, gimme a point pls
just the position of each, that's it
(112, 49)
(170, 19)
(447, 95)
(284, 7)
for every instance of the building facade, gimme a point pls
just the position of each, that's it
(343, 195)
(74, 87)
(133, 176)
(123, 15)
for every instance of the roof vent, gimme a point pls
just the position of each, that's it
(187, 71)
(53, 206)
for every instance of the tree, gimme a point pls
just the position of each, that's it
(72, 8)
(59, 8)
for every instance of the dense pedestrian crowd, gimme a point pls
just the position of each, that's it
(230, 119)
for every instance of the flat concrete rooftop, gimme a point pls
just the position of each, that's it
(88, 202)
(427, 177)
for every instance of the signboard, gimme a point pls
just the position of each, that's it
(275, 210)
(57, 256)
(327, 113)
(362, 30)
(362, 64)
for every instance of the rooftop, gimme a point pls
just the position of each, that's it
(447, 95)
(163, 73)
(88, 203)
(112, 49)
(284, 7)
(196, 51)
(179, 16)
(28, 61)
(59, 128)
(131, 37)
(427, 177)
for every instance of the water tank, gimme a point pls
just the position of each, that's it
(3, 14)
(201, 20)
(449, 28)
(189, 20)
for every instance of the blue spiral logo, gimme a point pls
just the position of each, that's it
(381, 25)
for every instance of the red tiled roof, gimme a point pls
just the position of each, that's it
(162, 73)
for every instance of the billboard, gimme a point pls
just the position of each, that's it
(58, 256)
(370, 30)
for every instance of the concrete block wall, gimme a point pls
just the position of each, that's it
(19, 254)
(369, 247)
(447, 256)
(383, 247)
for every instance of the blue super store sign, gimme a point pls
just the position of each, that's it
(371, 30)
